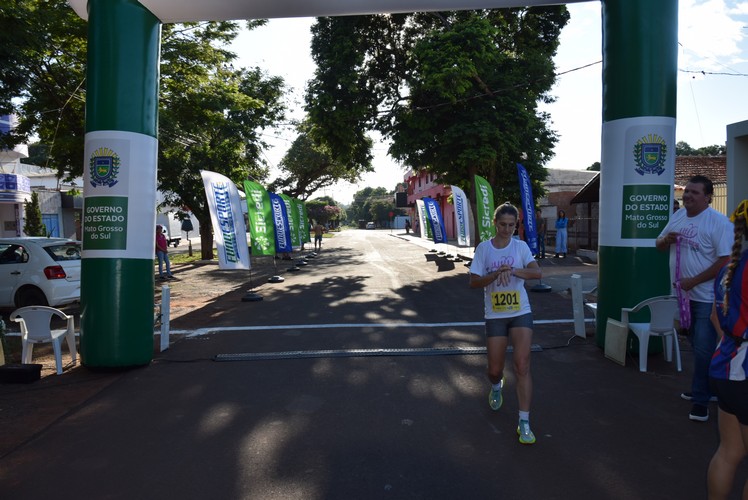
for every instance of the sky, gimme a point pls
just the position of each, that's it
(712, 80)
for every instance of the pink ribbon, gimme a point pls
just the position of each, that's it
(684, 304)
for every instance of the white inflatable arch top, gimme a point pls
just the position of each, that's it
(176, 11)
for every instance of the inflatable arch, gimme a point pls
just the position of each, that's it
(638, 150)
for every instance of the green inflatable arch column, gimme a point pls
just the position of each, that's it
(119, 214)
(640, 64)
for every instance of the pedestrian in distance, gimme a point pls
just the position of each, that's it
(542, 226)
(162, 254)
(500, 266)
(729, 365)
(561, 235)
(318, 230)
(699, 240)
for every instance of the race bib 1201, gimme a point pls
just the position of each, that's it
(506, 301)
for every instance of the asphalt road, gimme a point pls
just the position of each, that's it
(342, 415)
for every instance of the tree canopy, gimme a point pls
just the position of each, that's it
(682, 148)
(42, 79)
(210, 114)
(308, 167)
(455, 92)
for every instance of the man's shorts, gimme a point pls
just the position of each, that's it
(499, 327)
(732, 396)
(318, 238)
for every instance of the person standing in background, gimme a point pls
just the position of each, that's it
(541, 225)
(162, 254)
(318, 230)
(561, 236)
(703, 237)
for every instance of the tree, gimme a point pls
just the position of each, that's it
(595, 167)
(308, 167)
(325, 210)
(456, 92)
(33, 225)
(682, 148)
(362, 200)
(42, 79)
(211, 116)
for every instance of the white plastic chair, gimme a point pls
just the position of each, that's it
(35, 323)
(662, 311)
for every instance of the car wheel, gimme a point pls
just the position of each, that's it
(30, 297)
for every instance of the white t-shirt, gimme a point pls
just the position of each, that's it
(503, 301)
(706, 237)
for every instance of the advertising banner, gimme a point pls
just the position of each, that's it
(462, 216)
(280, 222)
(436, 221)
(293, 220)
(528, 209)
(423, 226)
(226, 215)
(260, 217)
(484, 202)
(304, 235)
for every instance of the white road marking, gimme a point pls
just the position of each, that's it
(329, 326)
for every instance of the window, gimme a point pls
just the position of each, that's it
(52, 223)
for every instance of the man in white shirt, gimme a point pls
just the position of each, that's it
(706, 238)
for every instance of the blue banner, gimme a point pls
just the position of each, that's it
(436, 221)
(280, 221)
(528, 209)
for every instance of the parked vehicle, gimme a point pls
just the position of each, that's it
(39, 271)
(172, 228)
(371, 225)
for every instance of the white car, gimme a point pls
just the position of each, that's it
(39, 271)
(371, 225)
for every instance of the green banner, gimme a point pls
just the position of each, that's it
(304, 235)
(259, 212)
(293, 220)
(484, 202)
(105, 223)
(645, 211)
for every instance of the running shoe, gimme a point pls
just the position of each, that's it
(689, 397)
(495, 399)
(699, 413)
(525, 434)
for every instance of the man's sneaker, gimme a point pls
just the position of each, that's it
(495, 400)
(699, 413)
(689, 397)
(525, 434)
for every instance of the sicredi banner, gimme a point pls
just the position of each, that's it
(227, 218)
(484, 202)
(304, 235)
(260, 216)
(462, 220)
(436, 221)
(280, 221)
